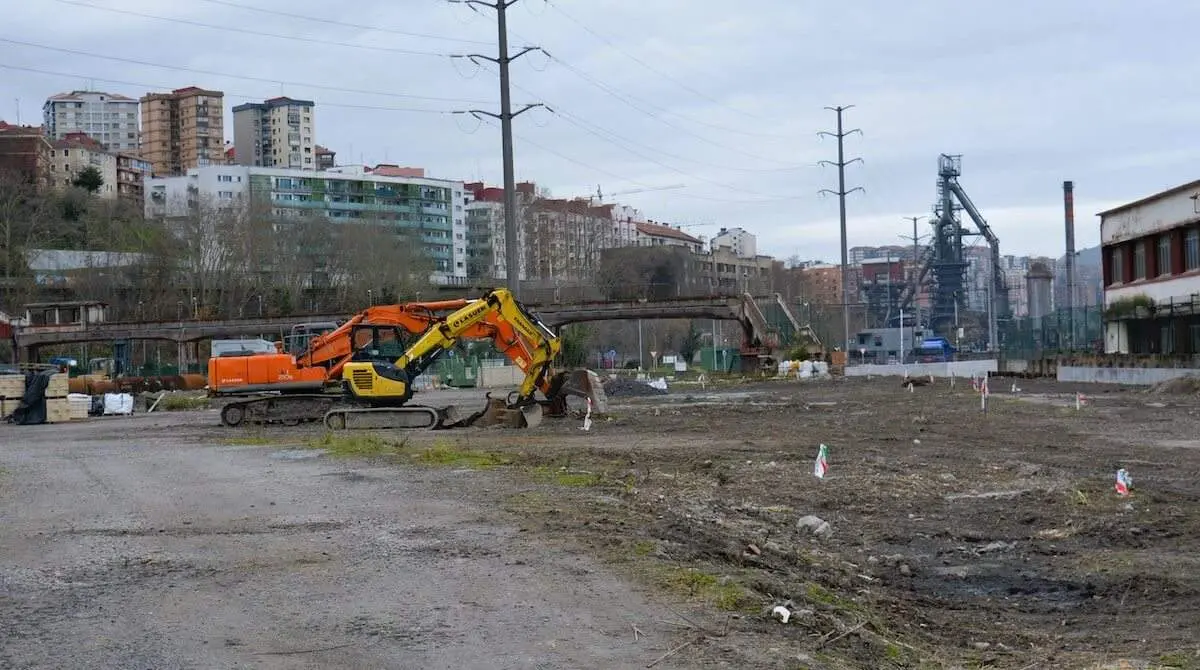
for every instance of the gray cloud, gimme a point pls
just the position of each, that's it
(1030, 92)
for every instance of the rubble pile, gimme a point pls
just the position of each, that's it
(621, 387)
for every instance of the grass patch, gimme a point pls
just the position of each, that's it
(448, 455)
(174, 402)
(722, 593)
(348, 446)
(644, 548)
(1180, 659)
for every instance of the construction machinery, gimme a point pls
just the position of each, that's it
(377, 387)
(312, 355)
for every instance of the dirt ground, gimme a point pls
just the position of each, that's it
(955, 538)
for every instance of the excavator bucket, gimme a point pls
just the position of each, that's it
(531, 415)
(584, 384)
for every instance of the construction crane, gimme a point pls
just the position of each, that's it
(600, 194)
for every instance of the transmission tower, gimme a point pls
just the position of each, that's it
(841, 193)
(512, 252)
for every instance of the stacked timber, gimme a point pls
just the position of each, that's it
(12, 389)
(58, 406)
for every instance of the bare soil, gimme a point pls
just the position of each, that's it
(958, 537)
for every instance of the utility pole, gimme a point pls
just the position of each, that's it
(916, 269)
(841, 193)
(512, 252)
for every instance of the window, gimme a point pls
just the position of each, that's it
(1117, 265)
(1191, 250)
(225, 195)
(224, 177)
(1164, 255)
(1139, 260)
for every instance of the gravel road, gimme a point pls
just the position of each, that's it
(127, 543)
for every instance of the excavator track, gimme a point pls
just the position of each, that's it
(289, 410)
(410, 417)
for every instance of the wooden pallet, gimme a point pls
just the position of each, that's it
(12, 386)
(58, 410)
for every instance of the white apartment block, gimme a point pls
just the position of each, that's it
(108, 118)
(737, 240)
(276, 133)
(430, 210)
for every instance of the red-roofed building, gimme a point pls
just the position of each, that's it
(390, 170)
(656, 234)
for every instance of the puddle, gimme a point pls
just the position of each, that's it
(297, 454)
(960, 582)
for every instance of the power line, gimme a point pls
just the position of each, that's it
(245, 96)
(629, 100)
(626, 180)
(257, 33)
(213, 73)
(558, 110)
(655, 161)
(644, 64)
(342, 24)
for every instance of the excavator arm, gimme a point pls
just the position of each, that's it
(335, 348)
(518, 335)
(515, 332)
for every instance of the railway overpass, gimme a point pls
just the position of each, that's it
(744, 309)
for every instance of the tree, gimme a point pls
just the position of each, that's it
(576, 341)
(690, 344)
(89, 179)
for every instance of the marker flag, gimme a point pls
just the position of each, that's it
(821, 466)
(1124, 481)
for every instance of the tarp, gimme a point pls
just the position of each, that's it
(32, 410)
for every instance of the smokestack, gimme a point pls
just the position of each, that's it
(1069, 215)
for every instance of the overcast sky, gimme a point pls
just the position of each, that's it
(723, 98)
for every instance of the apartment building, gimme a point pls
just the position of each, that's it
(326, 158)
(275, 133)
(108, 118)
(132, 173)
(651, 234)
(77, 152)
(742, 243)
(24, 154)
(431, 210)
(183, 129)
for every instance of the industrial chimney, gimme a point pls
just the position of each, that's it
(1069, 214)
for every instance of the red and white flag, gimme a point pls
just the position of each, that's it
(1124, 481)
(821, 466)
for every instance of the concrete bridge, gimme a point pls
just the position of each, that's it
(743, 309)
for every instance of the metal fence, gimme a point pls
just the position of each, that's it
(1076, 330)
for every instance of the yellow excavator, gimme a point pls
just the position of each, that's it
(377, 391)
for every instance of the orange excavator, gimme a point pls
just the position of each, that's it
(318, 351)
(375, 356)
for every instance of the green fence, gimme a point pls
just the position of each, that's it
(1061, 331)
